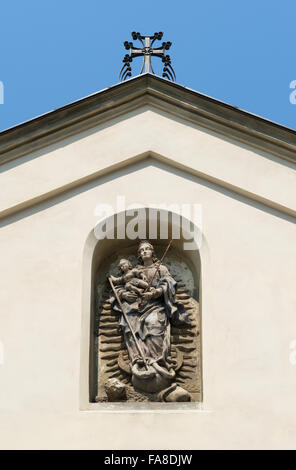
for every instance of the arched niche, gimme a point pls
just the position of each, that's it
(101, 257)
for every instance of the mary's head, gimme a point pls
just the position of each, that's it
(146, 252)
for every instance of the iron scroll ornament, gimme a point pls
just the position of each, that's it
(147, 51)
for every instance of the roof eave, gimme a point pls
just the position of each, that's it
(147, 89)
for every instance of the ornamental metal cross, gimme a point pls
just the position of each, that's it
(147, 52)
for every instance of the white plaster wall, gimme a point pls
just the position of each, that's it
(140, 131)
(248, 314)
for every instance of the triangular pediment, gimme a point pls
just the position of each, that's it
(147, 117)
(141, 91)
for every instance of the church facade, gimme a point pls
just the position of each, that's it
(148, 143)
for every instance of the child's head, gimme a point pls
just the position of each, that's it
(125, 265)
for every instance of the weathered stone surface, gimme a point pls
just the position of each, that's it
(120, 360)
(107, 306)
(179, 394)
(181, 339)
(109, 332)
(107, 326)
(111, 347)
(182, 331)
(109, 319)
(109, 355)
(109, 339)
(124, 363)
(115, 390)
(182, 296)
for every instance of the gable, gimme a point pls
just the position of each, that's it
(151, 142)
(144, 90)
(99, 151)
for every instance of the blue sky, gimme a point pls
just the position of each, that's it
(238, 51)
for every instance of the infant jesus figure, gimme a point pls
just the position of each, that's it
(133, 279)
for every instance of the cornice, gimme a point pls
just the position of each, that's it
(159, 93)
(150, 157)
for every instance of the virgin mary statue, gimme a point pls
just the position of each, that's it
(150, 312)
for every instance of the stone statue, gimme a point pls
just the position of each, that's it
(144, 298)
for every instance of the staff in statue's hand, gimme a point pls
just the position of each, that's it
(150, 291)
(128, 323)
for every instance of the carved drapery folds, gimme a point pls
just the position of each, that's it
(160, 359)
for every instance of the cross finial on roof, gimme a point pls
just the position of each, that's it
(147, 51)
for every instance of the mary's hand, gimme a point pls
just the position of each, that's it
(152, 294)
(129, 296)
(147, 296)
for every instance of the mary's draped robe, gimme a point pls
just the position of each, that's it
(151, 320)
